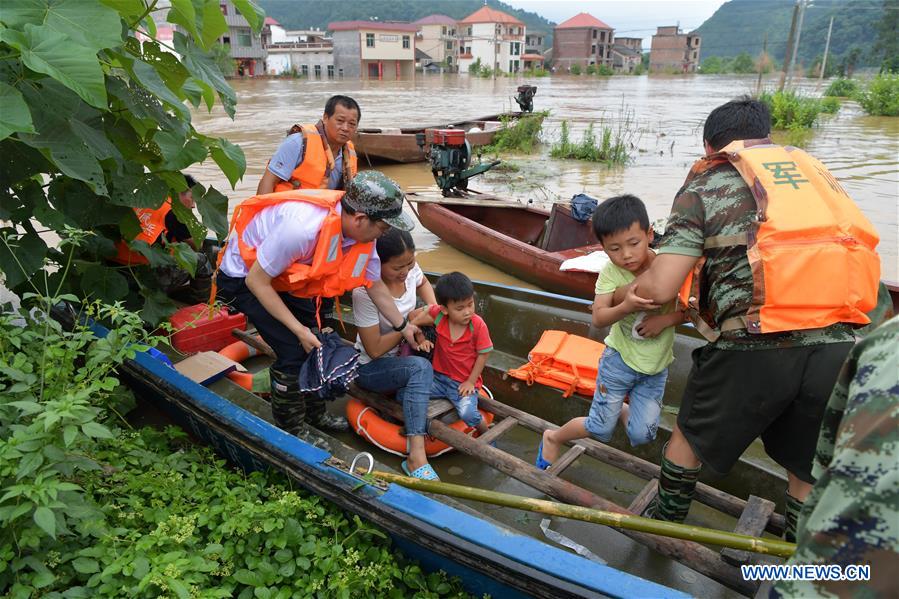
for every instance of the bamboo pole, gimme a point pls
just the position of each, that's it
(575, 512)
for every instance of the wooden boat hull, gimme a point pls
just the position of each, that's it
(489, 558)
(510, 239)
(399, 145)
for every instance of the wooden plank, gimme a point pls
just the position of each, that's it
(696, 556)
(393, 408)
(753, 522)
(566, 459)
(497, 430)
(438, 407)
(710, 496)
(490, 201)
(251, 340)
(644, 497)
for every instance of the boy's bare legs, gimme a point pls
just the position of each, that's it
(553, 441)
(417, 457)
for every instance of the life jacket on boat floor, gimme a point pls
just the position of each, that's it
(240, 351)
(370, 425)
(564, 361)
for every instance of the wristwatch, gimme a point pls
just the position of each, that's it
(402, 324)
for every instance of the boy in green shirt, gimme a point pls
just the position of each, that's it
(639, 346)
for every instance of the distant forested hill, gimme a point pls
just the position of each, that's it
(740, 26)
(304, 14)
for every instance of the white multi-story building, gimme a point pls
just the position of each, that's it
(437, 39)
(492, 36)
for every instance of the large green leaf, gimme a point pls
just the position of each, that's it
(89, 24)
(202, 65)
(230, 158)
(214, 25)
(186, 216)
(103, 283)
(157, 305)
(139, 191)
(79, 204)
(192, 152)
(14, 116)
(184, 13)
(148, 77)
(126, 8)
(213, 208)
(185, 256)
(95, 140)
(27, 256)
(166, 64)
(254, 15)
(47, 51)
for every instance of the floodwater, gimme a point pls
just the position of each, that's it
(664, 115)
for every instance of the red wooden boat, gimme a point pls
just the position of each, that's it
(375, 144)
(526, 242)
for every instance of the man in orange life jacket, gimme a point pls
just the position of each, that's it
(319, 156)
(289, 250)
(783, 315)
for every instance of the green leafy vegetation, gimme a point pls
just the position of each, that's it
(880, 96)
(518, 135)
(601, 70)
(535, 72)
(95, 124)
(611, 147)
(740, 64)
(842, 88)
(830, 105)
(575, 69)
(790, 110)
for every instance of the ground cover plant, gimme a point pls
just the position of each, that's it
(880, 97)
(521, 135)
(790, 110)
(611, 145)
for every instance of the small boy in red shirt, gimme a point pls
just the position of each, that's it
(463, 343)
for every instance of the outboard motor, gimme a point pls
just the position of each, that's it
(525, 97)
(450, 156)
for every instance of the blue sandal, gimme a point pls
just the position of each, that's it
(425, 472)
(541, 463)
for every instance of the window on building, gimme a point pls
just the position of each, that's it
(449, 45)
(340, 73)
(304, 70)
(468, 31)
(317, 69)
(593, 49)
(516, 48)
(406, 42)
(226, 40)
(498, 49)
(369, 40)
(443, 30)
(330, 71)
(244, 39)
(224, 9)
(594, 34)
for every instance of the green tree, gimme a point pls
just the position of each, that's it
(742, 63)
(712, 65)
(96, 123)
(886, 47)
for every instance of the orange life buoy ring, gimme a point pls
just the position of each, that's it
(369, 424)
(240, 351)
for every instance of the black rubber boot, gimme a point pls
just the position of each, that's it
(791, 518)
(317, 415)
(288, 404)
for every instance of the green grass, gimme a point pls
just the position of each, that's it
(790, 111)
(518, 135)
(842, 88)
(610, 147)
(881, 96)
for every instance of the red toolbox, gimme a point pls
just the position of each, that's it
(195, 330)
(448, 137)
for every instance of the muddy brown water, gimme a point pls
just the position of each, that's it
(664, 116)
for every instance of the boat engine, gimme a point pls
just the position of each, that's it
(450, 156)
(525, 97)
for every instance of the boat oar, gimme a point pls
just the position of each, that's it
(614, 519)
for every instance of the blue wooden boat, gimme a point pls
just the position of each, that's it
(440, 534)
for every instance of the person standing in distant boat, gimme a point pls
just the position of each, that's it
(319, 156)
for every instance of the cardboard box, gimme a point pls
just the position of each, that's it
(207, 367)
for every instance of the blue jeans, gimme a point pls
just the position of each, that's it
(466, 407)
(411, 378)
(615, 381)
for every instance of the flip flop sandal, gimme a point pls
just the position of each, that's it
(541, 463)
(425, 472)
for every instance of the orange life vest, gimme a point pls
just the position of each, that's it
(311, 172)
(332, 272)
(564, 361)
(152, 226)
(811, 250)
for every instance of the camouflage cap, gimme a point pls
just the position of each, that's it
(379, 197)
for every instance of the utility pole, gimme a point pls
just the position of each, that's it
(762, 59)
(788, 54)
(796, 41)
(824, 62)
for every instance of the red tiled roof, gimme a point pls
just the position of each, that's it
(531, 57)
(582, 20)
(355, 25)
(271, 21)
(435, 20)
(485, 14)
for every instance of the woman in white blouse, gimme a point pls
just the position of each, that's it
(380, 366)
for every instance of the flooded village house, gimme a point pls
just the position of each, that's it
(437, 40)
(493, 37)
(627, 54)
(303, 53)
(582, 40)
(674, 51)
(374, 50)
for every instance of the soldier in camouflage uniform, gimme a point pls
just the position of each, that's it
(288, 232)
(852, 513)
(743, 385)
